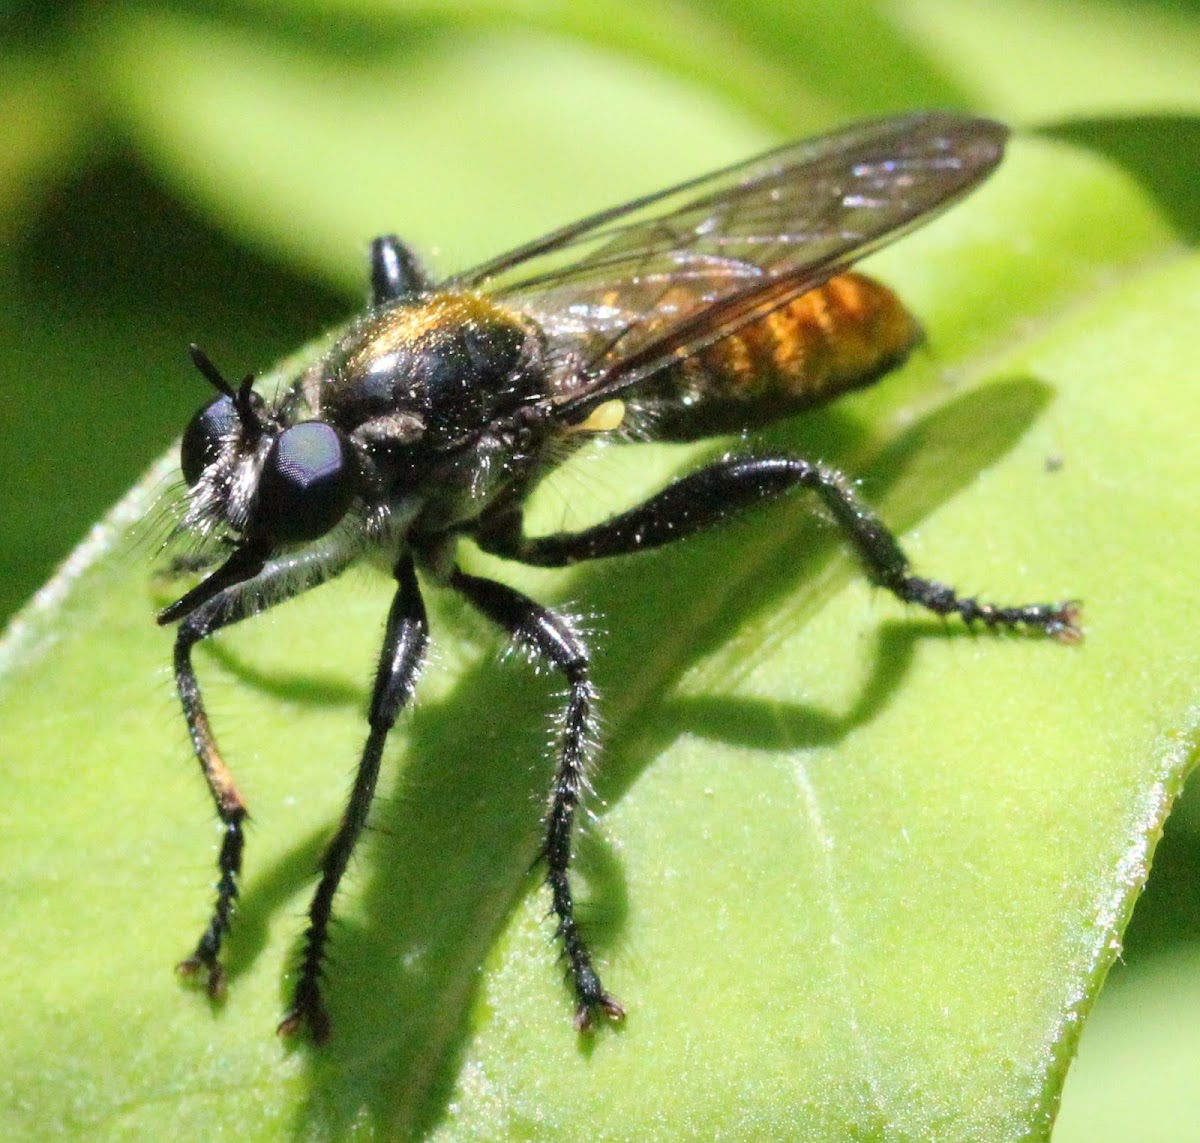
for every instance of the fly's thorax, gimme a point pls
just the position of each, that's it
(466, 483)
(428, 373)
(841, 336)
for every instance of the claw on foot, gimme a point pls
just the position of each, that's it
(194, 965)
(1068, 630)
(306, 1012)
(603, 1005)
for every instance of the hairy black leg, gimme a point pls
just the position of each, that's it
(395, 272)
(230, 605)
(231, 808)
(400, 662)
(731, 486)
(553, 638)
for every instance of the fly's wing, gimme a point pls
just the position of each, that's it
(624, 292)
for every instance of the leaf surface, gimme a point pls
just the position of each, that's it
(854, 873)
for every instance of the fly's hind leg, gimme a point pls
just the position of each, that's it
(554, 639)
(731, 486)
(693, 504)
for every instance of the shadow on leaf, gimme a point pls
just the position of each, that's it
(451, 853)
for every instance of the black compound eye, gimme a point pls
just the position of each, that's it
(309, 479)
(202, 438)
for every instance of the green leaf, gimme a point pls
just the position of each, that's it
(1032, 60)
(109, 283)
(438, 117)
(444, 135)
(45, 129)
(1135, 1075)
(856, 874)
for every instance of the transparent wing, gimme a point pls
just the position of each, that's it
(621, 293)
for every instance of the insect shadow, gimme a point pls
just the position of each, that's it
(453, 851)
(298, 687)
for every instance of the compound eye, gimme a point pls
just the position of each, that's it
(202, 438)
(309, 479)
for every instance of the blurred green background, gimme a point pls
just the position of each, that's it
(212, 172)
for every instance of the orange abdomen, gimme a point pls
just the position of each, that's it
(838, 337)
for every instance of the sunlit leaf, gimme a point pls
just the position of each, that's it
(854, 874)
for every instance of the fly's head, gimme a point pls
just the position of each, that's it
(259, 483)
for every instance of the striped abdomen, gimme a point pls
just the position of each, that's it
(841, 336)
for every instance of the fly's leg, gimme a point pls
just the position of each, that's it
(553, 638)
(731, 486)
(400, 662)
(231, 808)
(231, 605)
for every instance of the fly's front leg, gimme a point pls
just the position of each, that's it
(553, 638)
(400, 662)
(735, 484)
(235, 603)
(231, 808)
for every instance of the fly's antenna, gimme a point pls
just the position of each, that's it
(239, 396)
(244, 406)
(210, 372)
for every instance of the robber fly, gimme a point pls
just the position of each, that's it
(718, 304)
